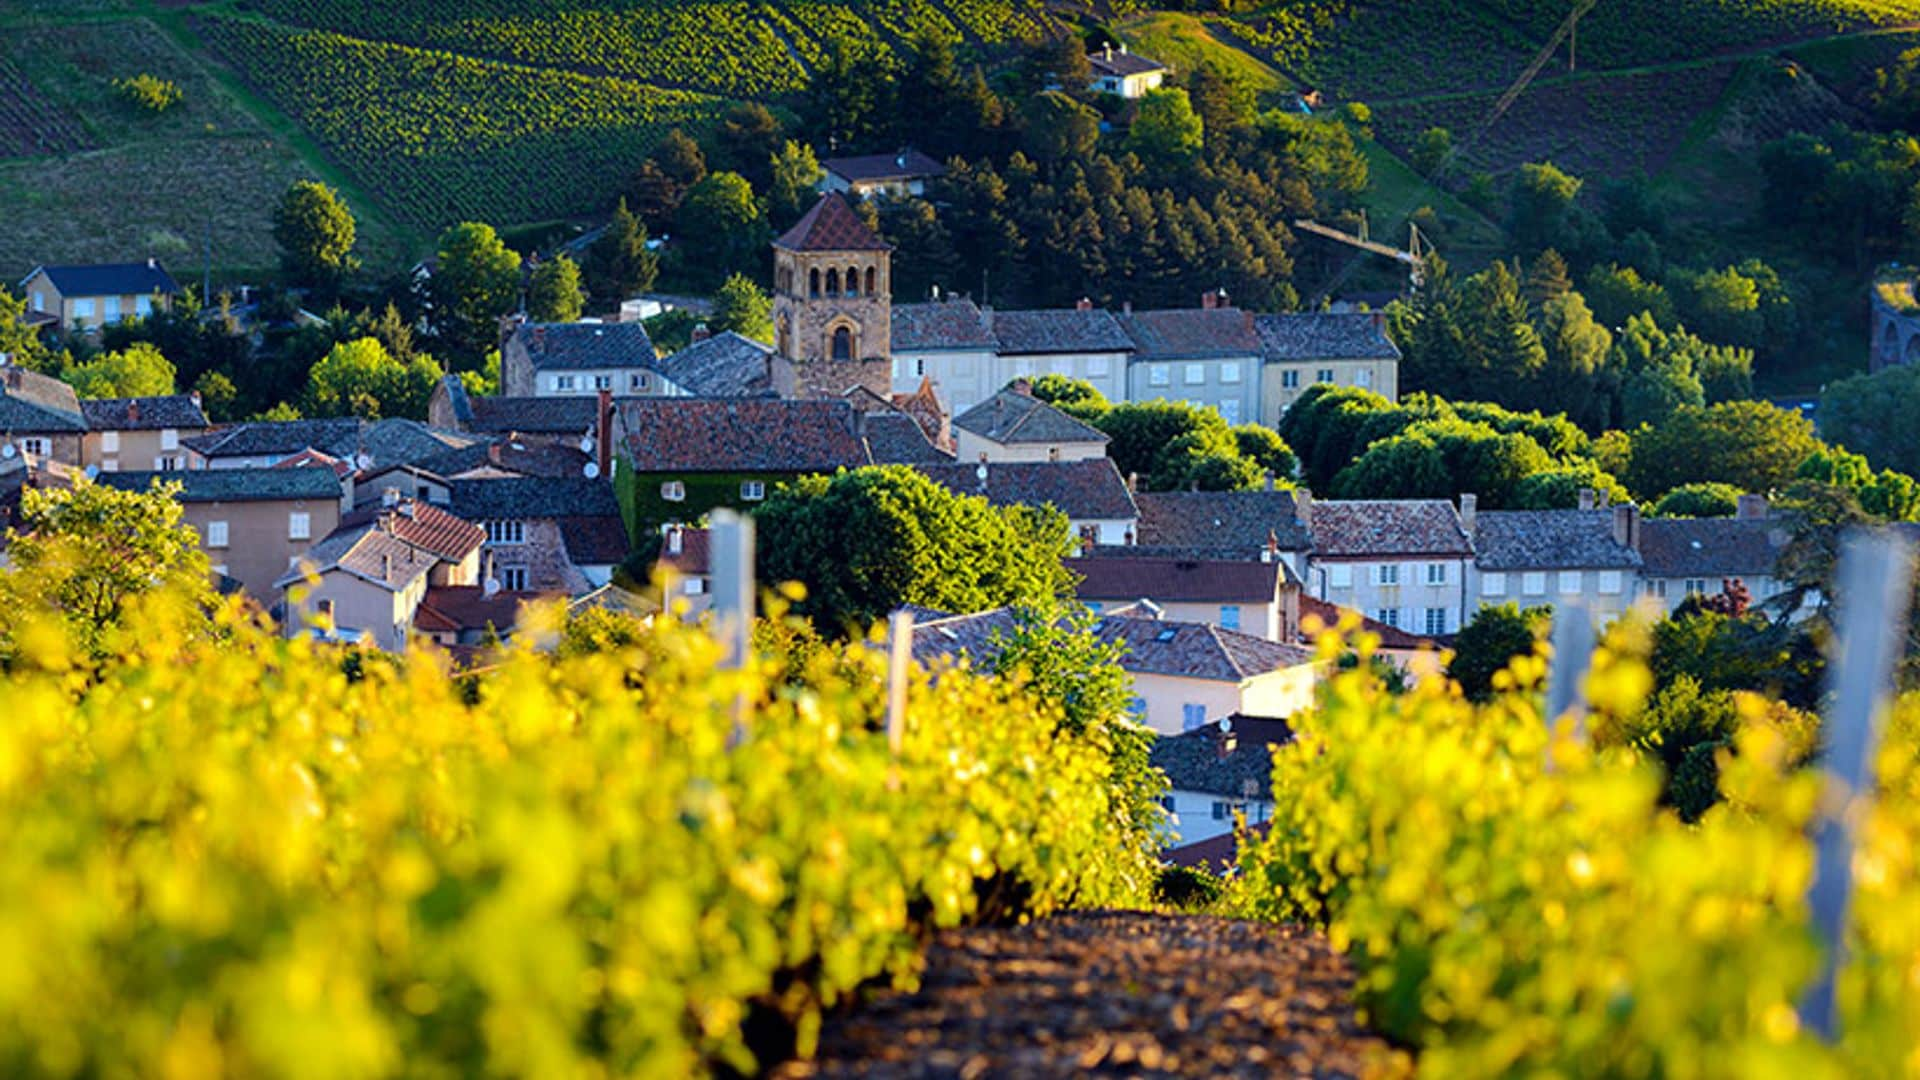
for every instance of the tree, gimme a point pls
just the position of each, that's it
(619, 263)
(477, 281)
(794, 172)
(721, 228)
(746, 139)
(741, 307)
(1504, 346)
(315, 231)
(866, 541)
(660, 185)
(1870, 415)
(1559, 489)
(1490, 641)
(1577, 349)
(1264, 447)
(1753, 445)
(1617, 293)
(359, 378)
(19, 343)
(84, 553)
(1060, 129)
(1438, 459)
(1173, 446)
(1076, 397)
(1546, 279)
(1724, 305)
(137, 371)
(844, 100)
(554, 293)
(1543, 200)
(1431, 151)
(218, 397)
(1166, 131)
(1701, 500)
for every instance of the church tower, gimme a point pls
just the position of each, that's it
(832, 303)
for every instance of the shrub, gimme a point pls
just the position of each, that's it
(154, 94)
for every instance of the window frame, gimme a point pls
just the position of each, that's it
(1159, 375)
(218, 535)
(674, 491)
(1437, 574)
(1533, 583)
(299, 525)
(1289, 378)
(1194, 375)
(1436, 622)
(109, 442)
(753, 490)
(1230, 616)
(1576, 578)
(1493, 583)
(1189, 711)
(513, 578)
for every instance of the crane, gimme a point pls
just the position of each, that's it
(1415, 257)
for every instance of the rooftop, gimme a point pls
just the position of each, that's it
(1014, 416)
(523, 497)
(1236, 763)
(586, 346)
(831, 226)
(563, 415)
(30, 401)
(1323, 336)
(1369, 528)
(724, 365)
(1237, 581)
(1060, 330)
(423, 525)
(1192, 333)
(109, 279)
(452, 609)
(1153, 647)
(940, 324)
(1711, 547)
(903, 165)
(1122, 63)
(735, 435)
(1226, 524)
(307, 482)
(1089, 490)
(179, 411)
(1549, 540)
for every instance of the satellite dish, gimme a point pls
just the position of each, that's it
(8, 451)
(980, 472)
(363, 461)
(93, 472)
(491, 587)
(591, 470)
(1226, 724)
(586, 444)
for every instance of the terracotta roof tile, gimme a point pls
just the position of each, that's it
(1368, 528)
(831, 226)
(1192, 333)
(669, 435)
(423, 525)
(1089, 490)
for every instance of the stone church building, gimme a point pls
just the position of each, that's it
(832, 304)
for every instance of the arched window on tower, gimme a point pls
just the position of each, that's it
(785, 282)
(784, 336)
(843, 344)
(813, 282)
(853, 281)
(871, 290)
(833, 283)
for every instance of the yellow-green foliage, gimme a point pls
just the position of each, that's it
(1516, 918)
(258, 857)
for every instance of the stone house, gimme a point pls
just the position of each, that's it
(901, 174)
(545, 534)
(1209, 357)
(1215, 774)
(1334, 348)
(1258, 598)
(556, 359)
(1099, 507)
(1013, 425)
(1402, 562)
(89, 297)
(143, 433)
(685, 570)
(39, 415)
(253, 523)
(364, 583)
(1533, 557)
(1682, 557)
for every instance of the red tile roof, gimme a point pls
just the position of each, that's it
(423, 525)
(1391, 637)
(831, 226)
(450, 609)
(1217, 853)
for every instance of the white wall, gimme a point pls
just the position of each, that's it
(1192, 817)
(1231, 386)
(1361, 585)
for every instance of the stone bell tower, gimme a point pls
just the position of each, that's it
(832, 303)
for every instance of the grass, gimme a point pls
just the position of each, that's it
(1397, 192)
(1186, 42)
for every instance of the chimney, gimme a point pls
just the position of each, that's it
(1303, 507)
(1083, 304)
(1469, 511)
(700, 332)
(133, 411)
(1268, 476)
(603, 435)
(539, 338)
(386, 567)
(1626, 526)
(1126, 307)
(1751, 508)
(153, 263)
(410, 510)
(1023, 385)
(1209, 300)
(1123, 48)
(1109, 52)
(1133, 482)
(986, 317)
(1587, 498)
(195, 395)
(676, 542)
(1271, 553)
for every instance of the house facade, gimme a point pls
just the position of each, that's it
(253, 524)
(40, 416)
(898, 175)
(1402, 562)
(545, 534)
(1215, 775)
(365, 581)
(89, 297)
(1332, 348)
(1560, 557)
(1013, 425)
(561, 359)
(1684, 557)
(140, 433)
(1119, 72)
(1258, 598)
(1208, 357)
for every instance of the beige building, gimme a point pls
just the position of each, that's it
(1013, 425)
(39, 416)
(1207, 357)
(1323, 348)
(1257, 598)
(833, 303)
(253, 523)
(364, 583)
(1588, 556)
(89, 297)
(141, 433)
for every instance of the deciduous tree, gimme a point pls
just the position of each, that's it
(315, 231)
(553, 291)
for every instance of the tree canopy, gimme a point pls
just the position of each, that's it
(315, 231)
(139, 370)
(554, 293)
(476, 282)
(360, 378)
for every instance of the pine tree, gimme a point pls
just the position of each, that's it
(619, 264)
(1547, 279)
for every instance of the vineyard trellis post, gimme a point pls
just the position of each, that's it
(1872, 591)
(732, 554)
(899, 660)
(1573, 642)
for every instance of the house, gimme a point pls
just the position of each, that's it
(1402, 562)
(726, 364)
(1185, 675)
(1258, 598)
(1244, 525)
(364, 444)
(1298, 351)
(528, 419)
(1208, 357)
(898, 175)
(456, 616)
(1090, 492)
(89, 297)
(143, 432)
(365, 582)
(17, 474)
(1216, 773)
(685, 569)
(253, 523)
(546, 534)
(1013, 425)
(1589, 556)
(39, 415)
(554, 359)
(1682, 557)
(1125, 74)
(971, 351)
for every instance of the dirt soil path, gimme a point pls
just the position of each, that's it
(1113, 993)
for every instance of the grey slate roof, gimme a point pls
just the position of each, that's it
(895, 438)
(1549, 540)
(1711, 547)
(724, 365)
(1122, 64)
(1193, 760)
(260, 438)
(941, 324)
(1191, 333)
(586, 346)
(1370, 528)
(307, 482)
(904, 165)
(523, 497)
(1083, 490)
(109, 279)
(1153, 646)
(572, 414)
(1323, 336)
(1067, 330)
(1011, 417)
(143, 413)
(1219, 581)
(595, 540)
(1221, 524)
(32, 402)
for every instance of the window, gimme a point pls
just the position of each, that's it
(563, 383)
(1097, 366)
(143, 306)
(603, 382)
(1436, 620)
(1324, 375)
(1388, 615)
(1657, 588)
(673, 491)
(166, 463)
(853, 282)
(1569, 582)
(919, 365)
(82, 310)
(1386, 574)
(694, 586)
(1610, 583)
(34, 445)
(1340, 576)
(506, 532)
(637, 381)
(1059, 367)
(1192, 716)
(1436, 573)
(872, 279)
(1157, 375)
(1363, 377)
(1493, 584)
(753, 490)
(1230, 410)
(513, 578)
(299, 526)
(1290, 378)
(813, 282)
(39, 301)
(1696, 586)
(1224, 811)
(216, 534)
(112, 309)
(109, 442)
(1534, 583)
(842, 343)
(1230, 616)
(1230, 372)
(833, 282)
(1195, 374)
(169, 439)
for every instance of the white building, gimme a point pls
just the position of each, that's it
(1117, 71)
(1013, 425)
(1402, 562)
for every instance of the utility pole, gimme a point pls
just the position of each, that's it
(1573, 41)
